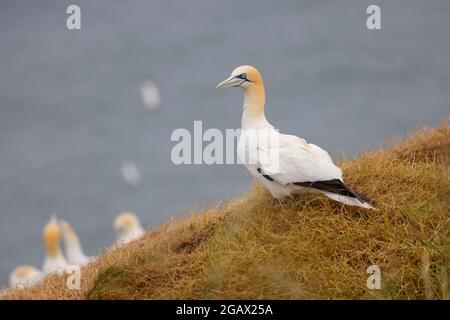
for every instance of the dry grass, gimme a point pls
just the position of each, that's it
(309, 247)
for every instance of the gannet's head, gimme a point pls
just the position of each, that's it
(69, 233)
(24, 276)
(244, 77)
(52, 236)
(25, 271)
(126, 222)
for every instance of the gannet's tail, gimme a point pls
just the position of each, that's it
(337, 190)
(348, 200)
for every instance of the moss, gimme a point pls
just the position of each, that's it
(107, 279)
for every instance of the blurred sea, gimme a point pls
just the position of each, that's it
(71, 110)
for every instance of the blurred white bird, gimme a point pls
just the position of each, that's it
(24, 276)
(150, 95)
(54, 261)
(131, 173)
(72, 246)
(127, 227)
(288, 164)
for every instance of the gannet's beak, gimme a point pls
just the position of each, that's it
(54, 219)
(232, 81)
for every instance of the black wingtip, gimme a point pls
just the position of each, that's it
(364, 198)
(336, 186)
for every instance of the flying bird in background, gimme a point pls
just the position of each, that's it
(130, 173)
(150, 95)
(290, 164)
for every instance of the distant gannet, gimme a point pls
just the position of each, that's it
(54, 261)
(130, 173)
(150, 95)
(299, 166)
(24, 276)
(72, 246)
(127, 227)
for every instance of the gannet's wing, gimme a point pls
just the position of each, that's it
(298, 161)
(304, 165)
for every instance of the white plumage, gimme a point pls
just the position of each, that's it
(130, 173)
(127, 227)
(54, 262)
(72, 245)
(285, 164)
(150, 95)
(24, 276)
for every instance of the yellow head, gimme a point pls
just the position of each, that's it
(52, 236)
(125, 222)
(24, 276)
(25, 271)
(246, 77)
(68, 231)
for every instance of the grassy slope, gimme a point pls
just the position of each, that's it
(308, 247)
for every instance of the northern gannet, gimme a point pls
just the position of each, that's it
(72, 246)
(287, 164)
(150, 95)
(127, 227)
(24, 276)
(130, 173)
(54, 261)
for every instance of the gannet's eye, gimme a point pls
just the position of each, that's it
(243, 76)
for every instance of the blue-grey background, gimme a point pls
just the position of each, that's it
(71, 112)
